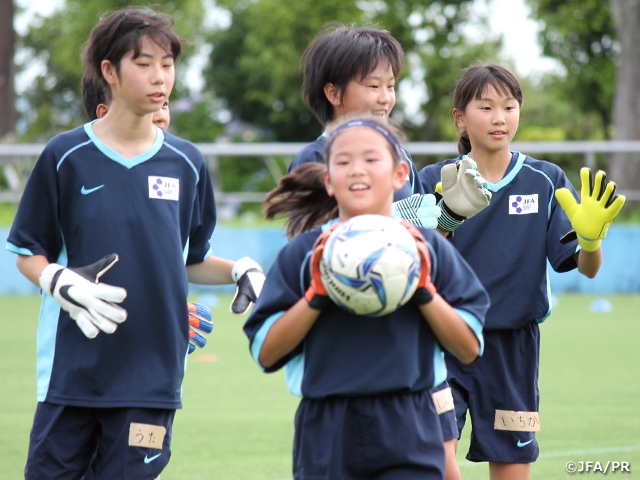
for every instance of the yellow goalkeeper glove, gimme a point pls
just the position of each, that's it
(598, 206)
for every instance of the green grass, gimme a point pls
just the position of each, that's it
(237, 423)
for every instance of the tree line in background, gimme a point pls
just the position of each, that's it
(252, 80)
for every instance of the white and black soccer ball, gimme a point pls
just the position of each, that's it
(370, 265)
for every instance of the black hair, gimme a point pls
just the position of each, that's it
(121, 32)
(471, 85)
(337, 55)
(93, 94)
(302, 196)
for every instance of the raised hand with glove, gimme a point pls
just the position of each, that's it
(464, 193)
(249, 279)
(89, 303)
(599, 205)
(420, 210)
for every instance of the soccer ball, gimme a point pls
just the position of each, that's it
(370, 265)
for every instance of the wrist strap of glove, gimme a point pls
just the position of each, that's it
(448, 220)
(422, 296)
(315, 301)
(49, 277)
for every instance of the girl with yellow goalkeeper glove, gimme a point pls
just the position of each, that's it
(511, 214)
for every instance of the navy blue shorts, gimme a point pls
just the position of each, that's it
(106, 443)
(382, 437)
(448, 421)
(504, 378)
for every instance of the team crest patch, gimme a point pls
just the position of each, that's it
(164, 188)
(523, 204)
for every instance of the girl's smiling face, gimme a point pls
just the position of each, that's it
(362, 172)
(491, 121)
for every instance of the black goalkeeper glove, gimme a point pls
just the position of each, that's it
(89, 303)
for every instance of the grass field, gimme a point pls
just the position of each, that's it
(237, 423)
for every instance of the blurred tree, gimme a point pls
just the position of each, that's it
(255, 62)
(54, 101)
(625, 167)
(7, 68)
(581, 35)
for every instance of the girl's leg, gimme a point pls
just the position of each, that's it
(509, 471)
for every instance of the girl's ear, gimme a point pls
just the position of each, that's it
(400, 175)
(327, 182)
(109, 72)
(458, 117)
(101, 110)
(332, 94)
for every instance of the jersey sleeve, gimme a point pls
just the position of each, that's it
(309, 154)
(457, 283)
(429, 176)
(36, 229)
(560, 255)
(284, 286)
(203, 219)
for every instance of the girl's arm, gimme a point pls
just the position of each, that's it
(211, 271)
(32, 267)
(454, 334)
(588, 262)
(287, 332)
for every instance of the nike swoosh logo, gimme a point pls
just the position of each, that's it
(148, 459)
(87, 191)
(520, 444)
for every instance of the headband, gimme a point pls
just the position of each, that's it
(364, 123)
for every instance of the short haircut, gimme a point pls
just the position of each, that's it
(93, 94)
(339, 54)
(122, 32)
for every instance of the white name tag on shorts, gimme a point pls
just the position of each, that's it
(523, 204)
(517, 421)
(443, 400)
(146, 436)
(164, 188)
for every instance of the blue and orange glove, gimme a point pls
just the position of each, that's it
(426, 289)
(599, 205)
(200, 324)
(316, 295)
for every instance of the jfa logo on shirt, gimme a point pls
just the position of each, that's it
(523, 204)
(164, 188)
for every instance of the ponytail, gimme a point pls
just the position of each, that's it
(303, 197)
(464, 143)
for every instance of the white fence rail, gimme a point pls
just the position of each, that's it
(16, 160)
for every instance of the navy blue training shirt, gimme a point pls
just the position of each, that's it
(83, 201)
(347, 354)
(508, 243)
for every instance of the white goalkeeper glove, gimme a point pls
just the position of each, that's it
(464, 193)
(89, 303)
(249, 278)
(420, 210)
(200, 324)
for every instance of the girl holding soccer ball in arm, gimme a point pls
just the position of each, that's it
(533, 219)
(366, 410)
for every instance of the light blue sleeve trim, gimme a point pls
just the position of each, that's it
(71, 151)
(208, 254)
(259, 338)
(439, 366)
(475, 326)
(542, 319)
(411, 168)
(294, 372)
(20, 251)
(46, 336)
(553, 188)
(303, 265)
(193, 167)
